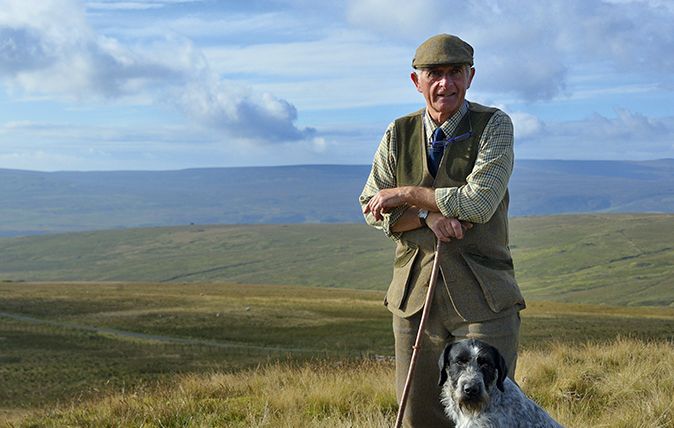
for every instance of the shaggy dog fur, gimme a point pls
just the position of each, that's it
(476, 392)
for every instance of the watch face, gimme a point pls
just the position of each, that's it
(423, 214)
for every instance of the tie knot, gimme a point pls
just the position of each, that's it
(438, 134)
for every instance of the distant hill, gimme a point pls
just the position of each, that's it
(39, 202)
(540, 187)
(617, 259)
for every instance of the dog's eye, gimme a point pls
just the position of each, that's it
(462, 361)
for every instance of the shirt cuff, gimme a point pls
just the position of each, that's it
(443, 199)
(390, 219)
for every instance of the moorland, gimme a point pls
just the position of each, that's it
(283, 325)
(622, 259)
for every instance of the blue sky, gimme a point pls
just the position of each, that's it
(173, 84)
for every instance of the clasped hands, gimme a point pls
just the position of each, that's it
(444, 228)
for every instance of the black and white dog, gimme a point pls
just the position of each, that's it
(476, 392)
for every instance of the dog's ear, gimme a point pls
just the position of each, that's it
(443, 362)
(502, 370)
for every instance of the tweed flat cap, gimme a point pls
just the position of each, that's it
(442, 49)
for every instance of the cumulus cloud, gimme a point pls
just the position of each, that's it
(245, 114)
(41, 54)
(628, 135)
(21, 49)
(526, 125)
(52, 50)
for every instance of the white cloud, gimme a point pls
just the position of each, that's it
(628, 135)
(527, 47)
(244, 114)
(37, 56)
(400, 19)
(133, 5)
(319, 145)
(337, 71)
(526, 125)
(52, 50)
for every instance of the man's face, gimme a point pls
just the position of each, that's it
(444, 88)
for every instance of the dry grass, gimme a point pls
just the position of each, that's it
(318, 394)
(625, 383)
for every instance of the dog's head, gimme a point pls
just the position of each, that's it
(469, 370)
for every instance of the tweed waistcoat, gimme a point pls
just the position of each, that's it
(477, 270)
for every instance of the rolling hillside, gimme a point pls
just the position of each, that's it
(615, 259)
(38, 202)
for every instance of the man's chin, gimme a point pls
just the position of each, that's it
(447, 103)
(446, 109)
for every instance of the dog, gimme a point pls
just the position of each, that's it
(476, 393)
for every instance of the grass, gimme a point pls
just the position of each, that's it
(619, 383)
(614, 383)
(163, 328)
(604, 259)
(614, 259)
(319, 319)
(56, 356)
(53, 358)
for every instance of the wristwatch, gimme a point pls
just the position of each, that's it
(423, 215)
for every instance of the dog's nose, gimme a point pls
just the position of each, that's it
(471, 390)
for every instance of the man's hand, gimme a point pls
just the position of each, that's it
(387, 199)
(446, 228)
(384, 201)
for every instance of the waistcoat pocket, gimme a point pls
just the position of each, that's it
(497, 280)
(400, 283)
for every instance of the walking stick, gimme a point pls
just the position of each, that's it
(417, 344)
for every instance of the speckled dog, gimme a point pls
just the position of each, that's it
(476, 392)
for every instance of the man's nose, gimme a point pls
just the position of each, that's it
(445, 80)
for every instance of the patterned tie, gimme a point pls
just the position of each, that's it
(436, 150)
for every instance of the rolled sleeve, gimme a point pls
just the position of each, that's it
(477, 200)
(382, 176)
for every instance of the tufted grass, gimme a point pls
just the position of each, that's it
(621, 383)
(300, 356)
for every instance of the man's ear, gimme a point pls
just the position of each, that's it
(415, 80)
(471, 74)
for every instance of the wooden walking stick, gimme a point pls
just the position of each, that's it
(420, 333)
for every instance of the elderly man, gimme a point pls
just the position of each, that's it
(441, 173)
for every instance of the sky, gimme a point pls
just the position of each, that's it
(175, 84)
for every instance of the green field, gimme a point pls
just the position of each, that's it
(131, 315)
(602, 259)
(76, 341)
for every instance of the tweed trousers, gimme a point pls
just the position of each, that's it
(443, 326)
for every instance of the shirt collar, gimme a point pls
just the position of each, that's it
(448, 126)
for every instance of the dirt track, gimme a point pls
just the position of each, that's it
(105, 331)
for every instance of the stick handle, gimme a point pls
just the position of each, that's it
(417, 344)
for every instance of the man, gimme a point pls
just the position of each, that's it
(441, 173)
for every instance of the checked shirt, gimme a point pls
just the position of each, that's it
(475, 201)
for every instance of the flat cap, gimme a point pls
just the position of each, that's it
(442, 49)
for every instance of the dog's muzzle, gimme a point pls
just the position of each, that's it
(471, 395)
